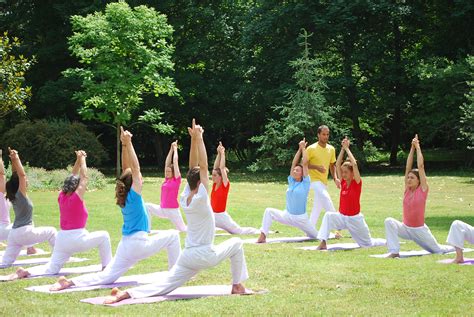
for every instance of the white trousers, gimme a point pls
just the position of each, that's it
(224, 221)
(193, 260)
(282, 216)
(420, 235)
(26, 236)
(4, 231)
(130, 250)
(173, 214)
(69, 242)
(355, 224)
(460, 232)
(322, 200)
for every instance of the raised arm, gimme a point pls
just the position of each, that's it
(355, 168)
(18, 168)
(409, 165)
(193, 151)
(339, 160)
(77, 164)
(125, 158)
(420, 164)
(222, 166)
(169, 158)
(81, 189)
(332, 169)
(296, 159)
(302, 149)
(202, 154)
(2, 174)
(217, 161)
(177, 173)
(133, 161)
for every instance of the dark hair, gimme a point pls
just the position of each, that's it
(122, 187)
(415, 172)
(300, 165)
(218, 170)
(12, 186)
(70, 184)
(193, 177)
(172, 169)
(348, 164)
(322, 127)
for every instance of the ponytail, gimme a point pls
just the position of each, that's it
(122, 187)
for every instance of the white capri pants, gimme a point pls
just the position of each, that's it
(460, 232)
(299, 221)
(26, 236)
(4, 231)
(173, 214)
(322, 200)
(224, 221)
(130, 250)
(420, 235)
(355, 224)
(69, 242)
(195, 259)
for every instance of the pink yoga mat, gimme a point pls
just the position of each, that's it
(188, 292)
(63, 272)
(333, 247)
(130, 280)
(466, 261)
(37, 261)
(285, 240)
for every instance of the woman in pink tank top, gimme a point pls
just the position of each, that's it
(169, 206)
(413, 226)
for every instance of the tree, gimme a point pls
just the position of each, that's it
(13, 92)
(125, 54)
(299, 117)
(467, 109)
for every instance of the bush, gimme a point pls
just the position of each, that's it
(41, 179)
(51, 144)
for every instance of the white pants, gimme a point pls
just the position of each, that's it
(172, 214)
(299, 221)
(460, 232)
(193, 260)
(355, 224)
(322, 200)
(420, 235)
(69, 242)
(26, 236)
(4, 231)
(224, 221)
(130, 250)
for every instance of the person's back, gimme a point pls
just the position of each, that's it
(72, 211)
(23, 208)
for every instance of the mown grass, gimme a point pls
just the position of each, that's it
(300, 282)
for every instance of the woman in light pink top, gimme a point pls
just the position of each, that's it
(169, 206)
(5, 223)
(73, 237)
(414, 202)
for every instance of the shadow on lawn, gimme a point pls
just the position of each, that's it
(445, 222)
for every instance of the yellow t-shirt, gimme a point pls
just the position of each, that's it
(318, 155)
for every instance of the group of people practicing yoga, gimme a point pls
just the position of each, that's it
(310, 168)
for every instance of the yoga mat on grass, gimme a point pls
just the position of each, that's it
(344, 246)
(408, 254)
(23, 253)
(187, 292)
(285, 240)
(37, 261)
(63, 272)
(124, 281)
(467, 261)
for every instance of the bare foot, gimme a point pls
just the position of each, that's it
(22, 273)
(262, 238)
(61, 284)
(458, 260)
(338, 235)
(322, 246)
(239, 289)
(31, 251)
(393, 255)
(116, 296)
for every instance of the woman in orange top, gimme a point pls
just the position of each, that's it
(414, 201)
(219, 193)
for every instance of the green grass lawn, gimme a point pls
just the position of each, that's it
(300, 282)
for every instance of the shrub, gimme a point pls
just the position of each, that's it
(51, 144)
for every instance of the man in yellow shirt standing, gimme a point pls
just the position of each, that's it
(321, 158)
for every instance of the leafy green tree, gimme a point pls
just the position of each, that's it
(467, 110)
(125, 53)
(13, 92)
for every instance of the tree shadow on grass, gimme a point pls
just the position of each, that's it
(445, 222)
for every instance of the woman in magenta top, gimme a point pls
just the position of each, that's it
(169, 206)
(349, 216)
(414, 202)
(73, 237)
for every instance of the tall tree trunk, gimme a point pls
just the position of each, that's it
(396, 124)
(159, 152)
(117, 165)
(351, 93)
